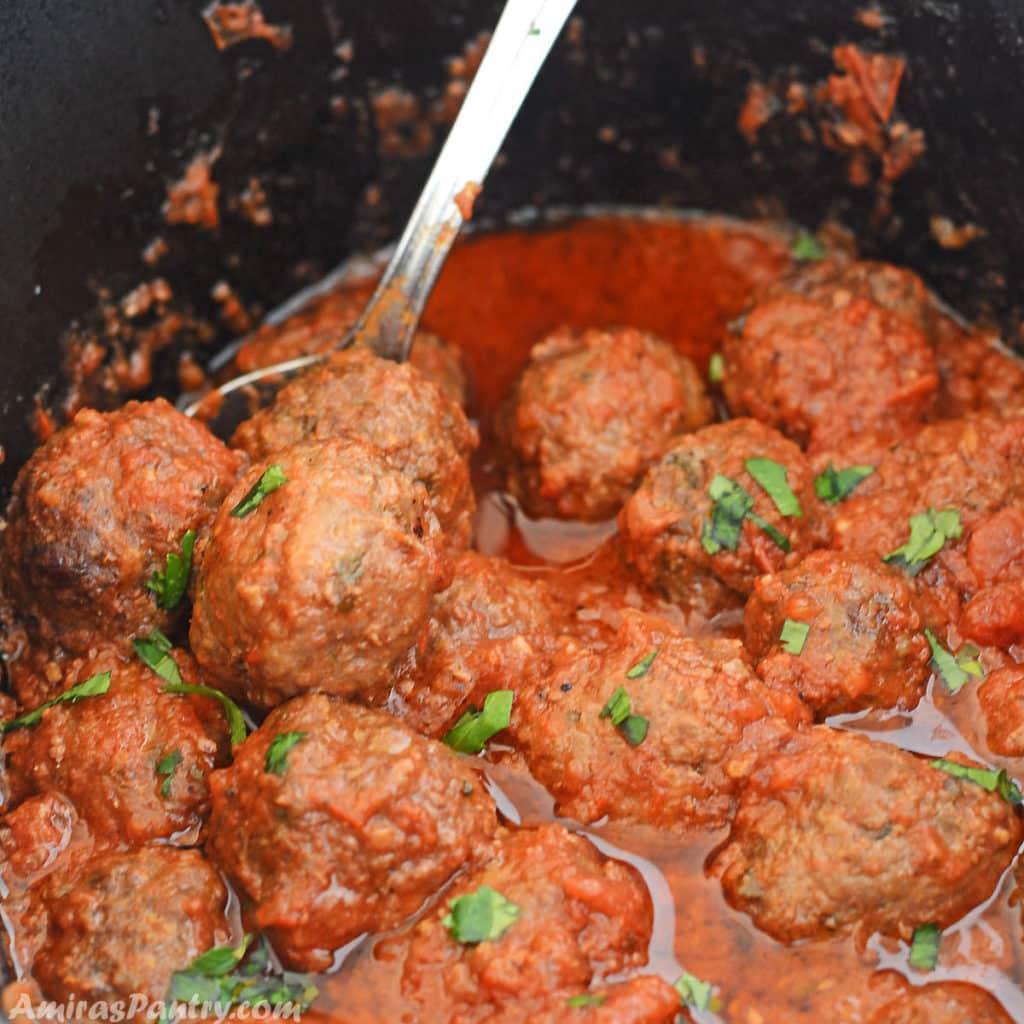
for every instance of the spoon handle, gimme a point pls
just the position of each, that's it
(521, 41)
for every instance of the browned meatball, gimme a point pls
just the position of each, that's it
(128, 921)
(978, 374)
(846, 831)
(864, 645)
(590, 413)
(709, 721)
(667, 522)
(581, 918)
(1001, 698)
(442, 364)
(492, 629)
(133, 760)
(96, 511)
(391, 406)
(823, 372)
(349, 830)
(325, 584)
(944, 1002)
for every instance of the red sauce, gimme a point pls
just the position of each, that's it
(684, 280)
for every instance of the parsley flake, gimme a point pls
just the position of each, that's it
(772, 477)
(642, 667)
(794, 636)
(94, 686)
(731, 505)
(270, 479)
(834, 486)
(619, 709)
(166, 766)
(585, 999)
(276, 761)
(988, 778)
(155, 651)
(480, 916)
(805, 248)
(695, 993)
(929, 532)
(716, 368)
(924, 947)
(170, 583)
(954, 670)
(469, 735)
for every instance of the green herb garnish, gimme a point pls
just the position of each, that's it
(269, 481)
(954, 670)
(731, 505)
(155, 651)
(988, 778)
(236, 722)
(170, 584)
(166, 767)
(480, 916)
(833, 485)
(716, 368)
(794, 636)
(94, 686)
(276, 761)
(585, 999)
(469, 735)
(641, 668)
(619, 709)
(696, 993)
(771, 476)
(805, 248)
(929, 532)
(924, 947)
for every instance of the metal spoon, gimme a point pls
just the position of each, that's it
(521, 42)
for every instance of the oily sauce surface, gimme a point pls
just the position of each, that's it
(685, 280)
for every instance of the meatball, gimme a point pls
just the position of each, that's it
(644, 1000)
(994, 612)
(391, 406)
(667, 524)
(133, 760)
(944, 1002)
(492, 629)
(590, 413)
(823, 372)
(1001, 698)
(96, 511)
(442, 364)
(709, 722)
(345, 825)
(844, 831)
(128, 921)
(978, 373)
(325, 584)
(581, 918)
(864, 646)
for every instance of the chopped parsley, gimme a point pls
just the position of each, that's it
(771, 476)
(731, 504)
(242, 975)
(695, 993)
(929, 532)
(805, 248)
(276, 761)
(166, 766)
(988, 778)
(94, 686)
(469, 735)
(270, 479)
(833, 486)
(794, 636)
(641, 668)
(924, 947)
(619, 709)
(170, 584)
(954, 670)
(480, 916)
(155, 651)
(716, 368)
(232, 712)
(585, 999)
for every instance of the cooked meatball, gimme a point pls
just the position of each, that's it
(348, 830)
(391, 406)
(96, 511)
(865, 646)
(1001, 698)
(709, 722)
(128, 921)
(644, 1000)
(666, 524)
(845, 831)
(134, 760)
(581, 918)
(822, 372)
(944, 1002)
(978, 374)
(492, 629)
(442, 364)
(590, 413)
(324, 585)
(994, 581)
